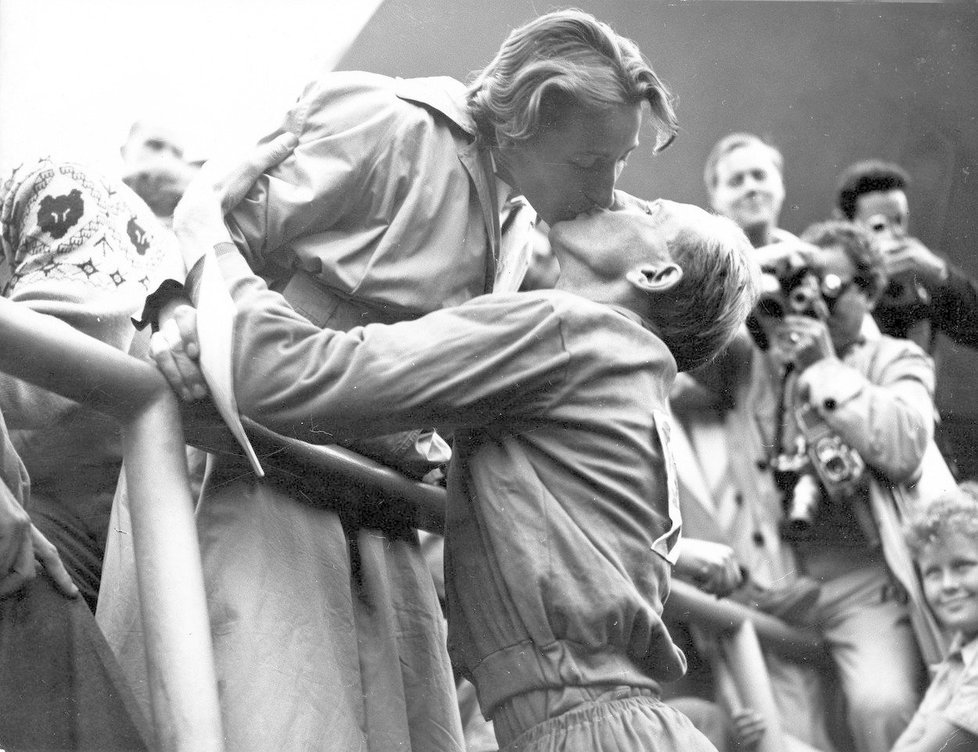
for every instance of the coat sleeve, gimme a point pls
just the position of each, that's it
(954, 308)
(886, 415)
(468, 365)
(357, 154)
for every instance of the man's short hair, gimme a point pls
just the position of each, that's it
(720, 284)
(954, 512)
(859, 246)
(729, 143)
(868, 176)
(561, 59)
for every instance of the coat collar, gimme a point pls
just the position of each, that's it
(446, 96)
(440, 93)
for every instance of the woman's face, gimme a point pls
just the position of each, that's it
(572, 167)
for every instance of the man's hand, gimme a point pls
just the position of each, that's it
(198, 220)
(801, 341)
(23, 547)
(747, 729)
(908, 256)
(712, 567)
(176, 351)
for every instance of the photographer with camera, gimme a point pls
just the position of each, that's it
(830, 391)
(926, 294)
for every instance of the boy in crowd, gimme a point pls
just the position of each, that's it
(562, 519)
(944, 539)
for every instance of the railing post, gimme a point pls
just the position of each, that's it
(179, 650)
(741, 653)
(50, 354)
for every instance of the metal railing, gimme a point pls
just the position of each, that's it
(179, 653)
(183, 686)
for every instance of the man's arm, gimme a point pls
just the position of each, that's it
(954, 307)
(887, 418)
(465, 365)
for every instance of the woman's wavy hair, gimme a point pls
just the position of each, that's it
(720, 285)
(955, 512)
(564, 58)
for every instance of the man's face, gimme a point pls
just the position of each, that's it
(749, 188)
(949, 570)
(572, 167)
(155, 169)
(610, 242)
(885, 214)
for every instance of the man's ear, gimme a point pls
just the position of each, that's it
(649, 278)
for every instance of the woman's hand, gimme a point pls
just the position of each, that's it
(23, 547)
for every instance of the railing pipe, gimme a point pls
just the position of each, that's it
(688, 603)
(179, 652)
(741, 653)
(423, 506)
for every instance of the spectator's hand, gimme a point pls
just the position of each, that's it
(747, 729)
(23, 547)
(908, 256)
(712, 567)
(801, 341)
(176, 351)
(198, 220)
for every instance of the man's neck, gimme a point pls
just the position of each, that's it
(760, 235)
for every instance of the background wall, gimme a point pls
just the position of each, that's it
(829, 83)
(75, 75)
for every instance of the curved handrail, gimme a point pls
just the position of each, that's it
(423, 505)
(47, 352)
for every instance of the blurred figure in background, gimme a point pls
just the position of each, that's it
(155, 167)
(926, 294)
(728, 497)
(86, 250)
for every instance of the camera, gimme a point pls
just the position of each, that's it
(822, 469)
(787, 291)
(791, 289)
